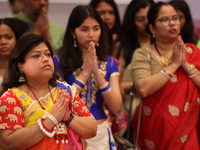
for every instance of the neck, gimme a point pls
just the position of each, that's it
(165, 49)
(4, 63)
(29, 17)
(144, 40)
(38, 86)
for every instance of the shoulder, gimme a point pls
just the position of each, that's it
(55, 24)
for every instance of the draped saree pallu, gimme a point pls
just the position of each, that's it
(169, 116)
(21, 111)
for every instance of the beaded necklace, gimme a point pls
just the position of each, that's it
(61, 130)
(163, 61)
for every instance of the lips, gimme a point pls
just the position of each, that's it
(47, 66)
(173, 31)
(4, 49)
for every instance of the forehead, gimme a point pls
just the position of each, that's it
(39, 48)
(142, 12)
(104, 6)
(5, 29)
(166, 10)
(89, 22)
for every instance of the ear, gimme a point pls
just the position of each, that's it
(152, 29)
(20, 66)
(73, 33)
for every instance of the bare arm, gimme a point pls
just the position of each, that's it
(84, 126)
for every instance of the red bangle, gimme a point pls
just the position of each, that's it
(46, 127)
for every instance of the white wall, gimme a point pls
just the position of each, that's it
(59, 10)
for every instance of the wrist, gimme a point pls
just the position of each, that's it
(69, 120)
(187, 67)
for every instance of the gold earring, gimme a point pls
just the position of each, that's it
(75, 45)
(153, 36)
(97, 44)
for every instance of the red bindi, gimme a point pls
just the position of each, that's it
(166, 4)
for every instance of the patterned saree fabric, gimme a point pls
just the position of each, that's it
(170, 116)
(18, 110)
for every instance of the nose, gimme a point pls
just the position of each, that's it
(3, 41)
(43, 2)
(45, 58)
(91, 33)
(171, 22)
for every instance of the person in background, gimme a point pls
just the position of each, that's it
(187, 28)
(16, 6)
(109, 14)
(132, 36)
(11, 30)
(35, 13)
(38, 111)
(83, 62)
(166, 75)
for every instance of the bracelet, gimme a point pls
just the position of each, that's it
(166, 74)
(53, 119)
(194, 74)
(191, 68)
(46, 127)
(69, 120)
(79, 83)
(105, 88)
(49, 134)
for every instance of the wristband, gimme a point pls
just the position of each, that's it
(70, 119)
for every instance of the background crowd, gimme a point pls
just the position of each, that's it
(70, 86)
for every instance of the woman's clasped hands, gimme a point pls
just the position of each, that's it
(179, 53)
(61, 110)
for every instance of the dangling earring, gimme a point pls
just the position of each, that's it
(153, 36)
(75, 45)
(21, 78)
(97, 44)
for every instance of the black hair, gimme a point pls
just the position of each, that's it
(19, 27)
(22, 47)
(153, 14)
(128, 35)
(70, 56)
(187, 32)
(116, 28)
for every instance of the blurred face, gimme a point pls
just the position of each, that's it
(182, 18)
(34, 7)
(17, 6)
(88, 31)
(141, 21)
(7, 40)
(167, 24)
(107, 13)
(38, 63)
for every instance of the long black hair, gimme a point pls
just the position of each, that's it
(22, 47)
(187, 32)
(128, 35)
(70, 56)
(116, 28)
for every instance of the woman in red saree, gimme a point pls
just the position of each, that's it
(166, 75)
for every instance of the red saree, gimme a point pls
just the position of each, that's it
(170, 116)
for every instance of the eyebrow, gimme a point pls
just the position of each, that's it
(87, 26)
(40, 51)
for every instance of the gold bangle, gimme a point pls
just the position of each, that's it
(191, 68)
(168, 73)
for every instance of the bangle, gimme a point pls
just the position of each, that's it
(194, 74)
(166, 74)
(49, 134)
(79, 83)
(69, 120)
(46, 127)
(131, 84)
(191, 68)
(53, 119)
(105, 88)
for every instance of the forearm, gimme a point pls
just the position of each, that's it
(153, 83)
(127, 86)
(84, 126)
(24, 137)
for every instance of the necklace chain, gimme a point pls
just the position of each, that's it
(164, 62)
(37, 98)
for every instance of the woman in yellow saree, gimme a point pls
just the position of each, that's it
(38, 112)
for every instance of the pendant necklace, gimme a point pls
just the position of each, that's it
(163, 61)
(61, 129)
